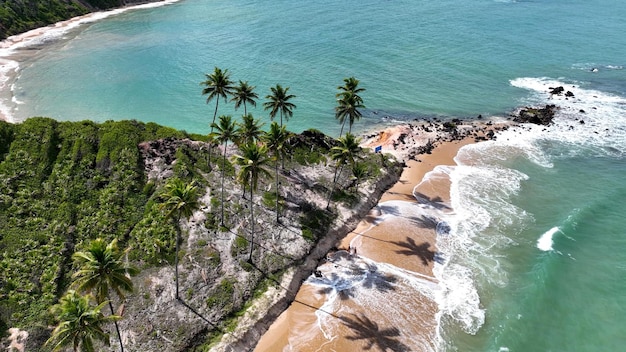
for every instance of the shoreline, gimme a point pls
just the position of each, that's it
(20, 48)
(370, 239)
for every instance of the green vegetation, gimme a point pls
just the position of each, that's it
(64, 183)
(80, 323)
(100, 270)
(70, 192)
(222, 295)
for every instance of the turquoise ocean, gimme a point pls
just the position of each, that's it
(535, 259)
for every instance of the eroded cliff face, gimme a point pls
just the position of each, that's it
(229, 294)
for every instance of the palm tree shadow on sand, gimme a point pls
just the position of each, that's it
(422, 251)
(365, 329)
(421, 221)
(372, 279)
(435, 202)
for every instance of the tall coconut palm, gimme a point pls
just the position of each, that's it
(225, 131)
(348, 103)
(179, 200)
(249, 130)
(253, 161)
(275, 140)
(344, 153)
(242, 94)
(348, 109)
(217, 85)
(79, 323)
(351, 85)
(278, 102)
(101, 269)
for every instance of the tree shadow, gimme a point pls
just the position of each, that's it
(368, 330)
(421, 221)
(344, 290)
(436, 202)
(420, 250)
(374, 278)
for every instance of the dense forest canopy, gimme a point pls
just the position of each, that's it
(62, 183)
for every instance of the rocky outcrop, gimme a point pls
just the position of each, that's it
(215, 278)
(538, 116)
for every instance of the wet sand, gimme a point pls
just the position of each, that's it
(395, 246)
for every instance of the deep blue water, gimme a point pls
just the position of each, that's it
(564, 185)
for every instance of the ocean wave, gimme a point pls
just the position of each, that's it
(546, 241)
(485, 183)
(591, 119)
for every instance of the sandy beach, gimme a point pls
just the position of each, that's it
(396, 243)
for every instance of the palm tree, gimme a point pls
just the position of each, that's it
(351, 85)
(242, 94)
(344, 153)
(253, 161)
(249, 130)
(348, 108)
(279, 102)
(217, 85)
(359, 171)
(348, 103)
(179, 200)
(101, 268)
(79, 323)
(224, 131)
(275, 140)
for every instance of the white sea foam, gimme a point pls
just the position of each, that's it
(545, 241)
(485, 220)
(591, 119)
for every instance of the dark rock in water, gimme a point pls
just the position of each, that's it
(443, 228)
(581, 111)
(557, 91)
(582, 122)
(538, 116)
(569, 94)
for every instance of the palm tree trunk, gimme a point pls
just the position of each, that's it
(277, 190)
(332, 190)
(217, 103)
(176, 259)
(223, 167)
(251, 223)
(343, 124)
(117, 328)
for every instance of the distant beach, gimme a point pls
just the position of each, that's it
(21, 48)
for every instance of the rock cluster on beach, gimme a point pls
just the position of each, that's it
(408, 141)
(538, 116)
